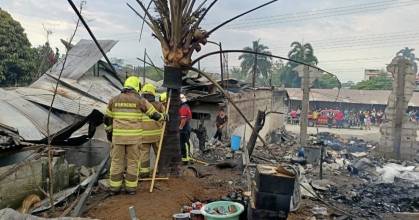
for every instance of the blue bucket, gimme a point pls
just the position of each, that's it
(235, 142)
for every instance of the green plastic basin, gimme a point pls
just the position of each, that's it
(225, 205)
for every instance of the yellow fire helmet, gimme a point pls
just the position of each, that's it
(163, 97)
(132, 82)
(149, 89)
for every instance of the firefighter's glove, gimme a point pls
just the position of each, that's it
(165, 117)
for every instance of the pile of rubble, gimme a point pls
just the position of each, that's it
(359, 181)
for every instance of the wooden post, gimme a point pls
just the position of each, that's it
(305, 106)
(399, 110)
(221, 63)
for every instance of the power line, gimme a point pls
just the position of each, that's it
(304, 13)
(313, 16)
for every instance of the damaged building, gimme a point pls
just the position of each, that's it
(85, 86)
(205, 102)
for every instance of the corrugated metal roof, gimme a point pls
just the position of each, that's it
(81, 58)
(78, 106)
(27, 118)
(373, 97)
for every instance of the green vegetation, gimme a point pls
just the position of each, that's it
(20, 64)
(408, 54)
(376, 83)
(299, 52)
(326, 81)
(263, 63)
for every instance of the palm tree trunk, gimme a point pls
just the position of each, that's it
(170, 157)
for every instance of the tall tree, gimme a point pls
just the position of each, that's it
(263, 63)
(16, 55)
(238, 73)
(299, 52)
(45, 58)
(376, 83)
(408, 54)
(326, 81)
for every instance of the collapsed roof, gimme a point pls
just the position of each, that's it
(85, 87)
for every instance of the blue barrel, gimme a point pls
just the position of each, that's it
(235, 142)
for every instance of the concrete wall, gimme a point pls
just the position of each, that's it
(398, 133)
(28, 178)
(249, 102)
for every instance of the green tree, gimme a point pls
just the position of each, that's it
(278, 68)
(238, 73)
(45, 58)
(376, 83)
(408, 54)
(302, 53)
(326, 81)
(16, 55)
(263, 63)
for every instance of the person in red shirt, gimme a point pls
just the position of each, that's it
(293, 115)
(185, 114)
(339, 116)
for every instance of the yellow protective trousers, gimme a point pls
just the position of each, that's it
(145, 169)
(121, 154)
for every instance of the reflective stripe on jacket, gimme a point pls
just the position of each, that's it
(126, 112)
(152, 129)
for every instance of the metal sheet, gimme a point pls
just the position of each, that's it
(80, 106)
(81, 58)
(29, 119)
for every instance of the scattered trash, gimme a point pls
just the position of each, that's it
(319, 212)
(391, 170)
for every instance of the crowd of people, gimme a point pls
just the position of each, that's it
(341, 118)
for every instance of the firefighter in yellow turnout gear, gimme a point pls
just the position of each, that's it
(151, 130)
(123, 120)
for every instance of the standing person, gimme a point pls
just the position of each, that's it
(293, 115)
(339, 119)
(151, 130)
(185, 114)
(361, 119)
(330, 119)
(314, 117)
(220, 123)
(379, 117)
(373, 116)
(123, 121)
(367, 121)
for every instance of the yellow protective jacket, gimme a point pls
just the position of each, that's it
(152, 129)
(124, 117)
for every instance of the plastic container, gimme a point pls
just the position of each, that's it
(225, 205)
(235, 142)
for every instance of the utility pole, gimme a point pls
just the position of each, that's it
(221, 63)
(308, 75)
(304, 106)
(254, 69)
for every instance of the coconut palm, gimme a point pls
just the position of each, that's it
(263, 63)
(176, 25)
(299, 52)
(408, 54)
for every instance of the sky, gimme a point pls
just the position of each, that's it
(347, 36)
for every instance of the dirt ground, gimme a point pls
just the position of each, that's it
(168, 197)
(368, 135)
